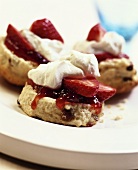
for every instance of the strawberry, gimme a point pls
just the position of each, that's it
(105, 55)
(105, 92)
(96, 33)
(16, 43)
(45, 29)
(84, 87)
(14, 38)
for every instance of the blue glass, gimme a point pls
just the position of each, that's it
(126, 30)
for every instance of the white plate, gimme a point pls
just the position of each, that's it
(111, 144)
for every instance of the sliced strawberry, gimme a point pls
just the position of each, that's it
(84, 87)
(96, 33)
(105, 55)
(16, 43)
(105, 92)
(45, 29)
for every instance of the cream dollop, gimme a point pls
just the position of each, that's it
(75, 65)
(111, 42)
(87, 62)
(50, 49)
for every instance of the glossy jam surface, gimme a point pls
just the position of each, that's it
(63, 96)
(104, 56)
(18, 45)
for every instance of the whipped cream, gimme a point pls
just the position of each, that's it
(73, 65)
(50, 49)
(86, 62)
(111, 42)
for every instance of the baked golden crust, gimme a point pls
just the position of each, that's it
(118, 73)
(13, 68)
(83, 114)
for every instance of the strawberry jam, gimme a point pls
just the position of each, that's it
(63, 96)
(16, 43)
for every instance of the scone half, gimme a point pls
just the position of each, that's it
(78, 114)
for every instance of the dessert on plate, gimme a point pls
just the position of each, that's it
(21, 51)
(116, 68)
(66, 91)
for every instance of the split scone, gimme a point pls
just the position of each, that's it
(116, 68)
(66, 91)
(21, 51)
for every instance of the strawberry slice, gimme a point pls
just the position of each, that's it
(16, 43)
(84, 87)
(45, 29)
(105, 55)
(105, 92)
(96, 33)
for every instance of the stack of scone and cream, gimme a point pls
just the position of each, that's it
(21, 51)
(66, 91)
(116, 68)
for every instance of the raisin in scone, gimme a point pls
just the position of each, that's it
(66, 91)
(116, 68)
(21, 51)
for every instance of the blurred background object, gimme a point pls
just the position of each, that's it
(118, 15)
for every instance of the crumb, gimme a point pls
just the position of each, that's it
(101, 121)
(67, 107)
(117, 118)
(108, 106)
(121, 106)
(118, 105)
(124, 101)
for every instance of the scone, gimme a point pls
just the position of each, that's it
(66, 91)
(116, 68)
(21, 51)
(118, 73)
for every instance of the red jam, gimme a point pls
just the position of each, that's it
(16, 43)
(63, 96)
(104, 56)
